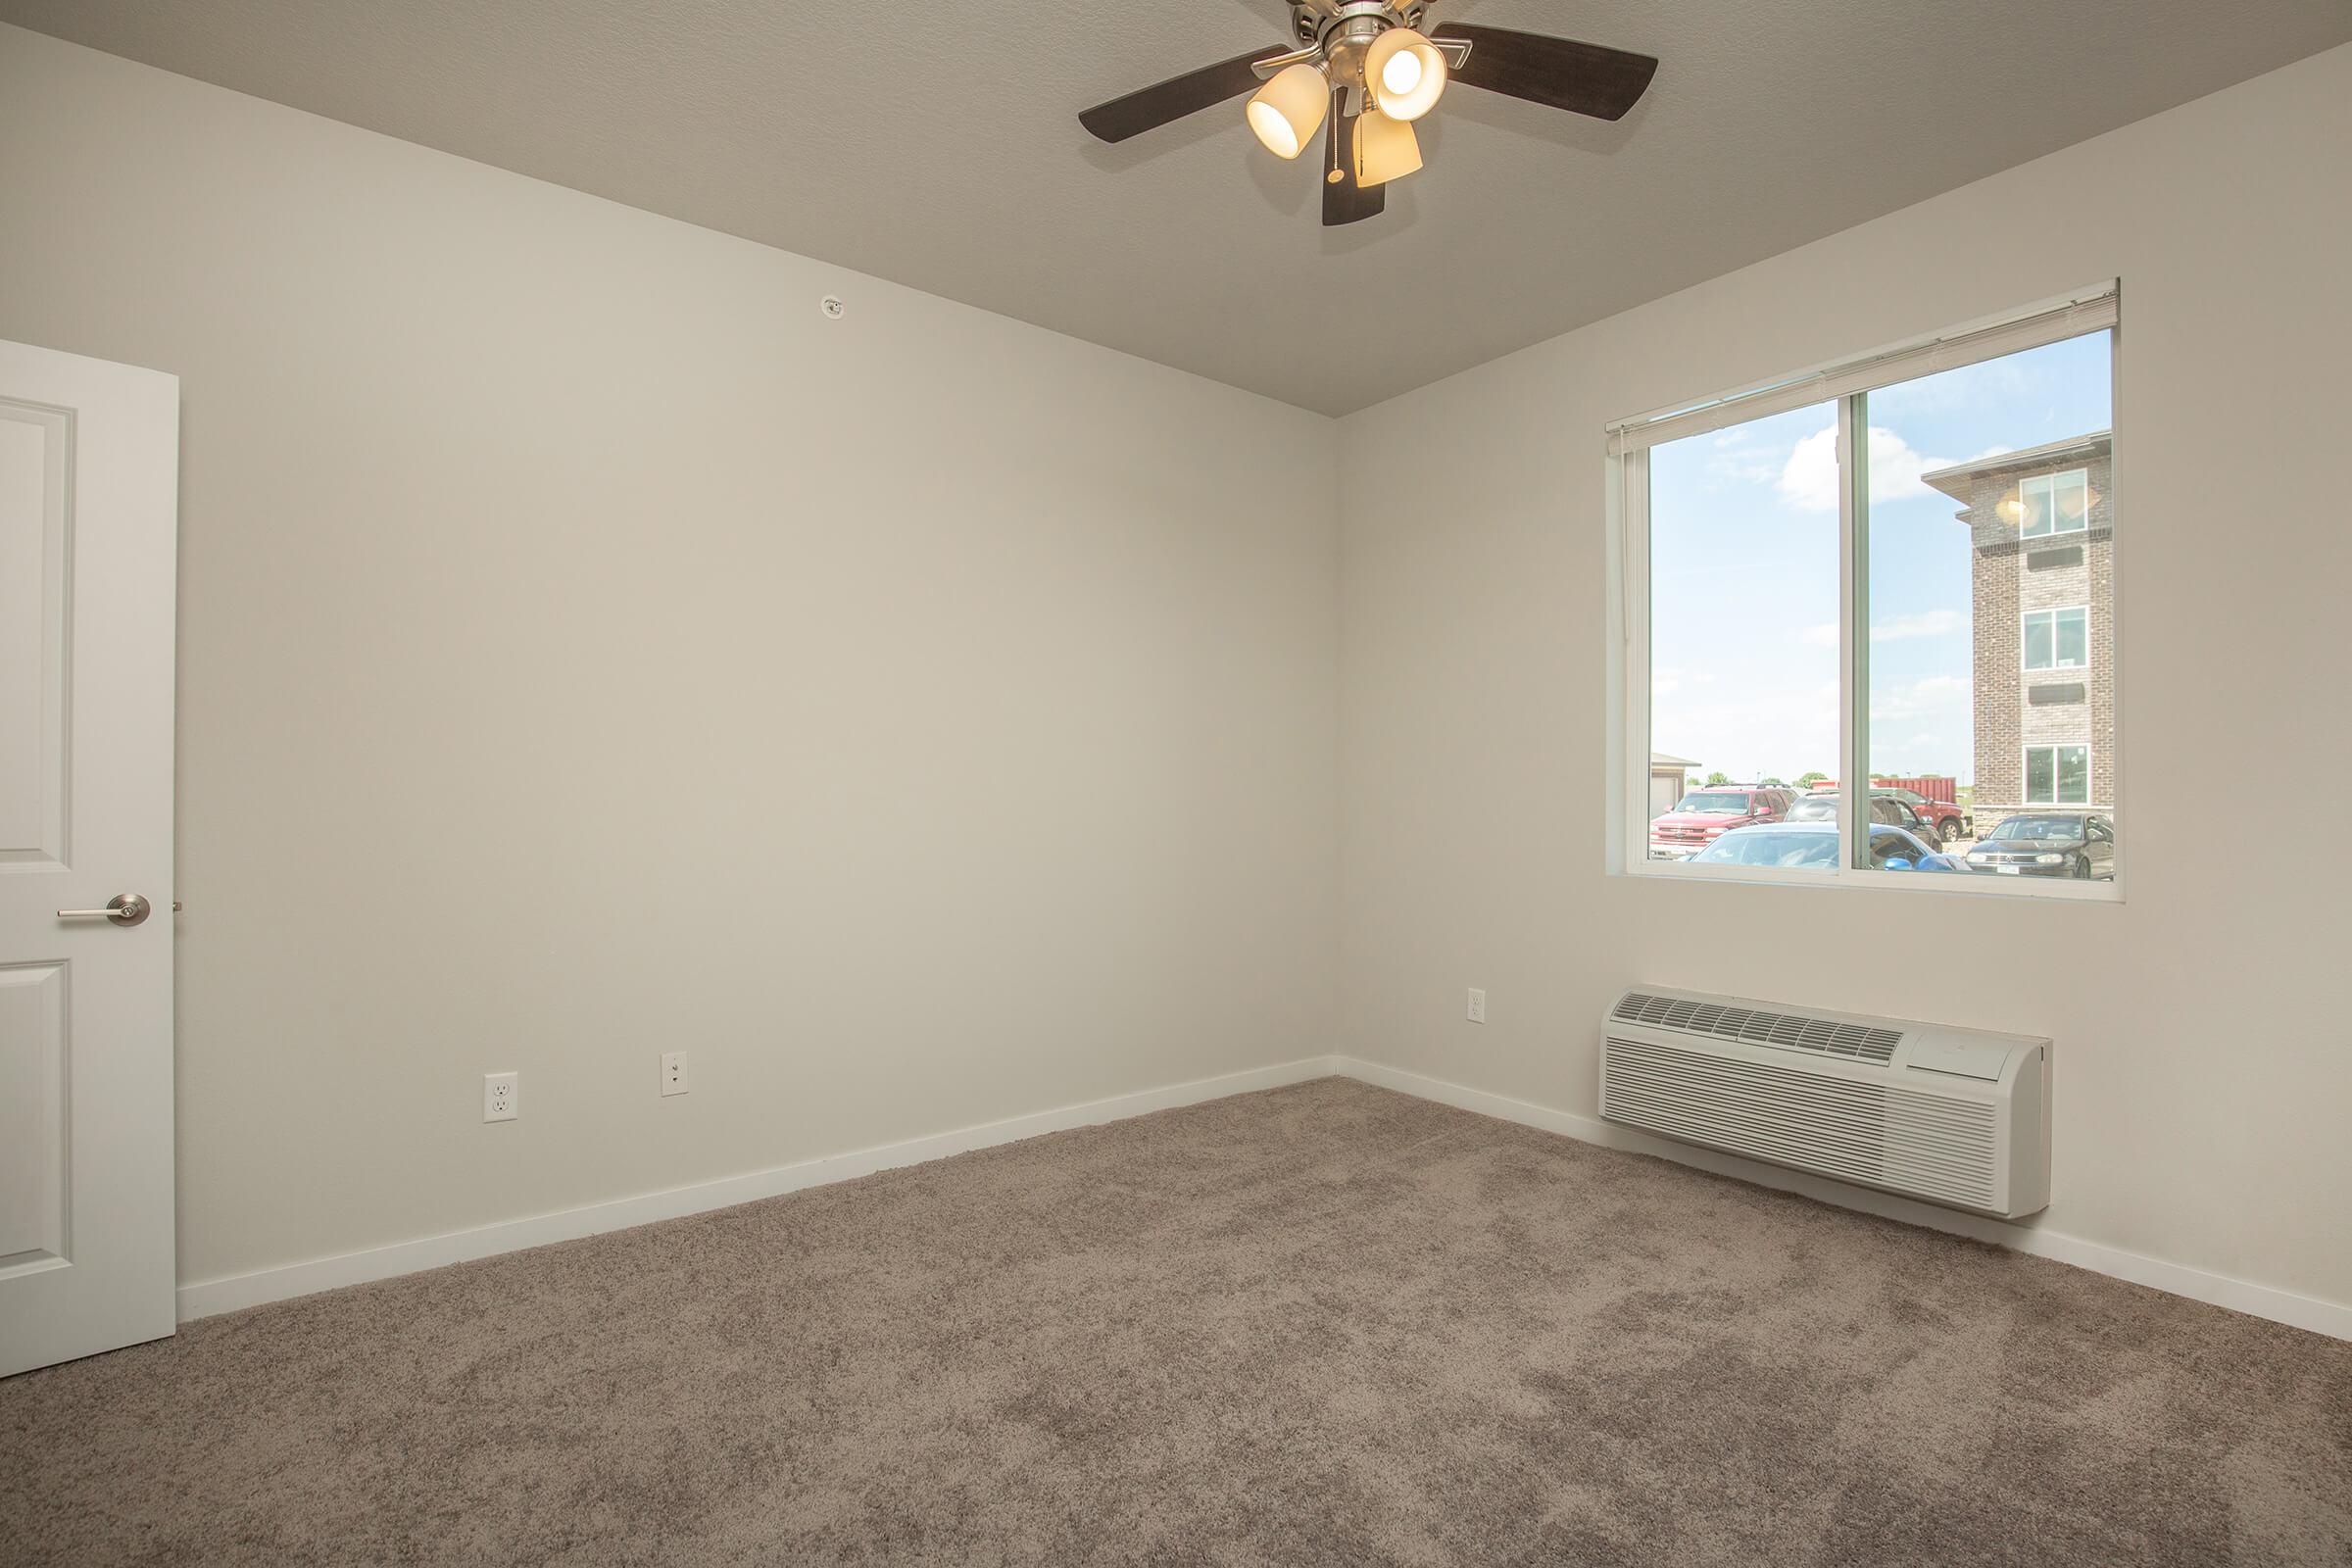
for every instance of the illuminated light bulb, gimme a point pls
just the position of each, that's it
(1405, 73)
(1401, 74)
(1286, 110)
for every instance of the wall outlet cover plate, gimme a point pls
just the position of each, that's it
(502, 1096)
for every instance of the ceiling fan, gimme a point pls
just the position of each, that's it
(1369, 68)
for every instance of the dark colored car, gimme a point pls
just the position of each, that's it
(2075, 844)
(1944, 820)
(1821, 806)
(1813, 846)
(1704, 814)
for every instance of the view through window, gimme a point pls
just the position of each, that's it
(1743, 639)
(1984, 573)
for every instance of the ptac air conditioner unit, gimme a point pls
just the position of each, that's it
(1954, 1116)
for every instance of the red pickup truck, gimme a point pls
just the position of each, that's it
(1705, 815)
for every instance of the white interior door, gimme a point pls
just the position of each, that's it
(89, 476)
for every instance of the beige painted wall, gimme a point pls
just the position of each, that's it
(588, 650)
(2203, 1065)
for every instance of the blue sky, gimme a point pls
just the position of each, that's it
(1743, 567)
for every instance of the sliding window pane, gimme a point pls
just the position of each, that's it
(2034, 500)
(2041, 774)
(2073, 775)
(1990, 525)
(2073, 636)
(1743, 641)
(2040, 642)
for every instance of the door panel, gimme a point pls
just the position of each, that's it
(88, 524)
(35, 446)
(32, 1116)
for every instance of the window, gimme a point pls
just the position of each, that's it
(1896, 574)
(2054, 503)
(2058, 639)
(1737, 661)
(2057, 775)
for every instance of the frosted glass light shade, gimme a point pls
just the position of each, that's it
(1285, 111)
(1405, 73)
(1385, 149)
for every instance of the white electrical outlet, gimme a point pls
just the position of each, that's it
(1478, 1006)
(673, 1072)
(502, 1096)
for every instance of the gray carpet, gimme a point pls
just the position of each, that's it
(1325, 1324)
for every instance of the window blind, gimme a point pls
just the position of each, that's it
(2091, 311)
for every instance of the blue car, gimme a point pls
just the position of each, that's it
(1813, 846)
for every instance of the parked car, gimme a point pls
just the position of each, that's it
(2075, 844)
(1945, 821)
(1813, 846)
(1700, 817)
(1821, 806)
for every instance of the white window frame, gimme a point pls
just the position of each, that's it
(2024, 772)
(1626, 487)
(2081, 525)
(2025, 619)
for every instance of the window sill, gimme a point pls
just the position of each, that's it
(1957, 884)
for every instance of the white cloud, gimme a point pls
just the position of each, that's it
(1808, 480)
(1935, 694)
(1739, 458)
(1785, 723)
(1665, 680)
(1927, 623)
(1781, 723)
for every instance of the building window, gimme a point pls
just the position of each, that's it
(2054, 503)
(2058, 639)
(1816, 591)
(2057, 775)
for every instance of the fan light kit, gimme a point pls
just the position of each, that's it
(1367, 68)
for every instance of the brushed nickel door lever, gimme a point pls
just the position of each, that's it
(124, 908)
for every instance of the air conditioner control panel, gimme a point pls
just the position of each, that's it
(1964, 1058)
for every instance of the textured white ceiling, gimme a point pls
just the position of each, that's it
(935, 142)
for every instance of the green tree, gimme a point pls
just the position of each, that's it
(1715, 781)
(1808, 780)
(1773, 783)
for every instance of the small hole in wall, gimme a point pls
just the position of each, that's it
(832, 308)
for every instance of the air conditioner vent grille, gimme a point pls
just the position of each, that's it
(1932, 1145)
(1788, 1031)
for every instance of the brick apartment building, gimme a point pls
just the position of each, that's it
(2043, 526)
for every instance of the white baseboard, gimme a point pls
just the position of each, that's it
(204, 1297)
(2259, 1300)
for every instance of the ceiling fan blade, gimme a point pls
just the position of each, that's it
(1176, 97)
(1584, 78)
(1344, 200)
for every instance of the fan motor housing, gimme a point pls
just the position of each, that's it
(1314, 20)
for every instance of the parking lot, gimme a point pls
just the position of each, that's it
(1777, 825)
